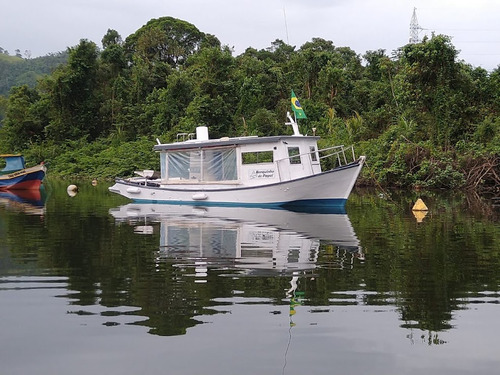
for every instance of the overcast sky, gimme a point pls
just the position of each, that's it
(45, 26)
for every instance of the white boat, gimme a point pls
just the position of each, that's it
(247, 171)
(251, 240)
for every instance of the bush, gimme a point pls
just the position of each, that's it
(103, 158)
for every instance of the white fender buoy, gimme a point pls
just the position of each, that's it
(72, 190)
(199, 196)
(133, 190)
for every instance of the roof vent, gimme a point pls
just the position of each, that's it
(202, 133)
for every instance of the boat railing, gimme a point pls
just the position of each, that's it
(181, 137)
(328, 158)
(336, 153)
(337, 156)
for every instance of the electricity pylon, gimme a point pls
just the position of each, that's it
(414, 28)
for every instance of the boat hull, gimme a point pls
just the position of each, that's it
(247, 240)
(31, 202)
(332, 225)
(25, 179)
(331, 188)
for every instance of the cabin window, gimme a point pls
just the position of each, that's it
(163, 165)
(314, 157)
(219, 165)
(203, 165)
(294, 155)
(204, 241)
(183, 165)
(257, 157)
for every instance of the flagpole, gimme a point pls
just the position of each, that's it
(294, 124)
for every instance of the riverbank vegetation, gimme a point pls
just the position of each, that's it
(423, 118)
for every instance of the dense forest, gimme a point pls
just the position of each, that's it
(423, 118)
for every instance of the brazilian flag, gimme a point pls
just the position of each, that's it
(297, 108)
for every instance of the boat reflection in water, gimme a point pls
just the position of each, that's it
(248, 241)
(31, 202)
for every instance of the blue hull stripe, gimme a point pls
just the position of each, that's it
(309, 205)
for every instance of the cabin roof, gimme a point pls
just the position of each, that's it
(226, 142)
(9, 155)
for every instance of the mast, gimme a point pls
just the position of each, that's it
(294, 124)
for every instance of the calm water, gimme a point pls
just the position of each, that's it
(92, 284)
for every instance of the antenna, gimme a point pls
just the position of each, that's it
(414, 28)
(286, 25)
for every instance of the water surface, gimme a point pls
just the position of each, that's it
(96, 284)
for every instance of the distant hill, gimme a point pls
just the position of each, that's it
(16, 71)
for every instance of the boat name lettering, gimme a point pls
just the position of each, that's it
(262, 236)
(15, 174)
(261, 173)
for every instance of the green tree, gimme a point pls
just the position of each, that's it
(3, 109)
(264, 123)
(112, 37)
(23, 125)
(74, 96)
(166, 39)
(261, 81)
(172, 102)
(212, 71)
(431, 83)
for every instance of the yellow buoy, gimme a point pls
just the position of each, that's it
(420, 206)
(419, 210)
(419, 215)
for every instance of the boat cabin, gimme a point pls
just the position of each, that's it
(249, 161)
(11, 163)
